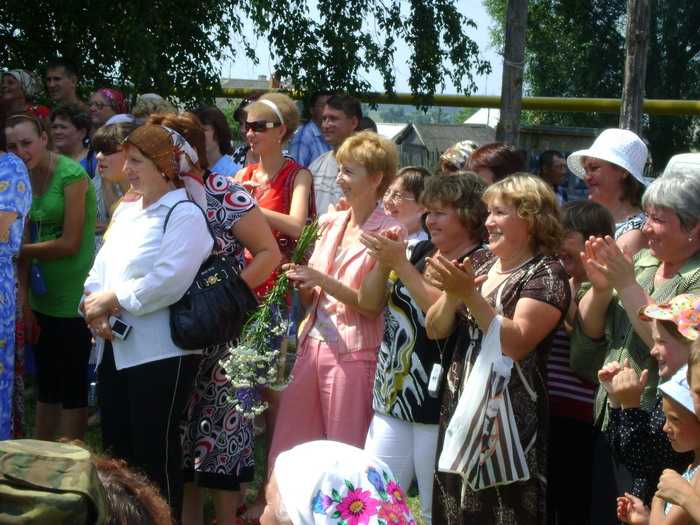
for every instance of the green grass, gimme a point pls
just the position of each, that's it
(93, 439)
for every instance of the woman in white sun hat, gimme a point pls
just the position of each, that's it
(613, 170)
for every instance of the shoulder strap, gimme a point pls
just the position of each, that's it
(90, 165)
(289, 190)
(167, 217)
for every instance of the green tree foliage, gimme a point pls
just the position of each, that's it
(576, 48)
(175, 45)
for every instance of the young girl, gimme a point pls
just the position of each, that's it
(673, 487)
(683, 429)
(635, 435)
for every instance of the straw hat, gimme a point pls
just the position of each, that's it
(617, 146)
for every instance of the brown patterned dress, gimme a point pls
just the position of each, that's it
(523, 502)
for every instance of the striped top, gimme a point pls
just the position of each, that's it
(570, 396)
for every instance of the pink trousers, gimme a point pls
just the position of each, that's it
(330, 397)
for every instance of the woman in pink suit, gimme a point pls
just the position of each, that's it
(330, 395)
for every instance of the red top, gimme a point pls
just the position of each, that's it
(273, 199)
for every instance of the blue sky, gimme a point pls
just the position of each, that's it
(241, 67)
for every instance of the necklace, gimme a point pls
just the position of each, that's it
(47, 176)
(506, 272)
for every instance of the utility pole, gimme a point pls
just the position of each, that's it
(508, 129)
(636, 46)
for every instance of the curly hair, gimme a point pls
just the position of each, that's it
(463, 191)
(536, 203)
(73, 112)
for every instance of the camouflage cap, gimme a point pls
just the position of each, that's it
(49, 483)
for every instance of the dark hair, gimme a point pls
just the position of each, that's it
(107, 139)
(240, 110)
(413, 179)
(672, 329)
(70, 67)
(366, 123)
(79, 116)
(547, 157)
(632, 189)
(347, 104)
(588, 217)
(215, 118)
(131, 497)
(16, 117)
(318, 94)
(501, 158)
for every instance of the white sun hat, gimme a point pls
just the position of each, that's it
(617, 146)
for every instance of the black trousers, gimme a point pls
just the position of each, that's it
(141, 407)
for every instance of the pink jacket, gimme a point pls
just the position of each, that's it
(356, 331)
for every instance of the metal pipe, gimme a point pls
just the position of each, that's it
(597, 105)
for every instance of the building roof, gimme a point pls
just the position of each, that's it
(439, 137)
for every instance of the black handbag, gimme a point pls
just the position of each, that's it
(215, 307)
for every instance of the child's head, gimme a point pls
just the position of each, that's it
(682, 425)
(582, 218)
(676, 324)
(694, 374)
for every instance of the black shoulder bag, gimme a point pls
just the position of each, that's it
(217, 304)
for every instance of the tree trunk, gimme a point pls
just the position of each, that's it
(637, 47)
(508, 129)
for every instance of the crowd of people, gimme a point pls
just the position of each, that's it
(108, 210)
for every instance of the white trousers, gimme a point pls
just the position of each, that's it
(409, 449)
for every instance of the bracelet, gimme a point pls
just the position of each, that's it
(336, 289)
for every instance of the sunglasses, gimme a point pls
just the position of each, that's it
(260, 126)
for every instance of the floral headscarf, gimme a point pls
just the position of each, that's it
(116, 100)
(31, 84)
(326, 482)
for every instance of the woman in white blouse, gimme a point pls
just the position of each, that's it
(143, 268)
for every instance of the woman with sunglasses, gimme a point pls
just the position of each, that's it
(282, 188)
(284, 192)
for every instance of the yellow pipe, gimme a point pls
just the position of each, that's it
(597, 105)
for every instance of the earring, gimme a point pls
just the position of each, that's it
(690, 239)
(165, 177)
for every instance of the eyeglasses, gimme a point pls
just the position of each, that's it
(98, 105)
(260, 126)
(396, 197)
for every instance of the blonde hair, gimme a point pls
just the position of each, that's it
(373, 152)
(287, 108)
(536, 203)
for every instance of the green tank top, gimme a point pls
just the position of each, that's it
(64, 277)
